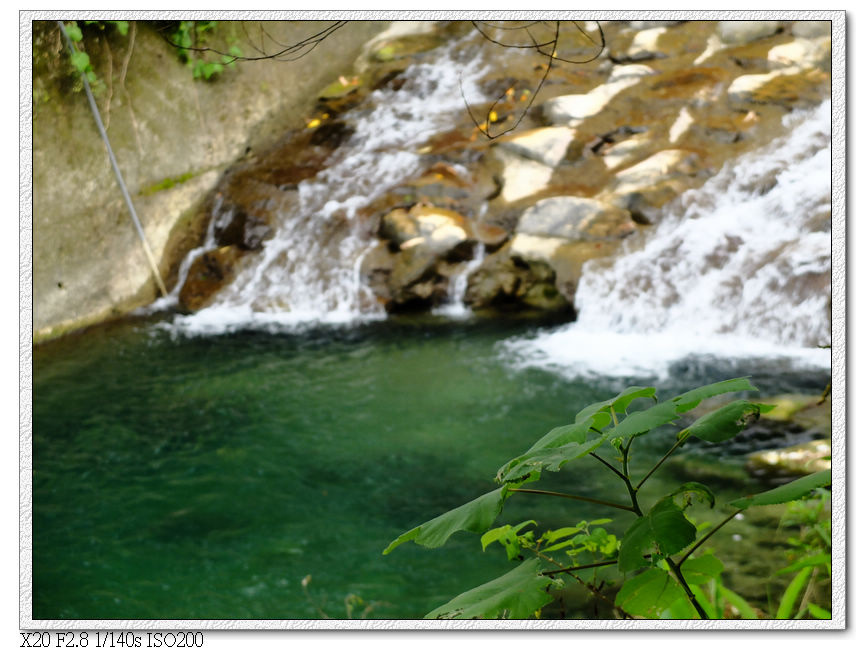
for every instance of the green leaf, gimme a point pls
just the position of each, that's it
(549, 459)
(788, 492)
(791, 594)
(475, 517)
(80, 61)
(690, 400)
(649, 593)
(665, 528)
(819, 612)
(700, 570)
(74, 32)
(640, 422)
(517, 594)
(122, 26)
(812, 560)
(725, 422)
(745, 610)
(692, 487)
(507, 536)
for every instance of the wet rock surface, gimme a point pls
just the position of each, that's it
(605, 147)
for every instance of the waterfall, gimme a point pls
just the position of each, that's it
(309, 271)
(737, 268)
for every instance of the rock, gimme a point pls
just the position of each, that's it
(574, 218)
(797, 460)
(812, 28)
(573, 109)
(789, 87)
(411, 269)
(652, 24)
(520, 177)
(627, 152)
(505, 283)
(645, 45)
(545, 145)
(209, 273)
(803, 52)
(739, 32)
(234, 227)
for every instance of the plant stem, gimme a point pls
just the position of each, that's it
(706, 536)
(582, 566)
(617, 472)
(678, 444)
(684, 583)
(574, 496)
(635, 506)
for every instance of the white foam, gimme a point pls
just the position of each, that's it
(735, 269)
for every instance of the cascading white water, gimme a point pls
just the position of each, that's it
(309, 272)
(739, 267)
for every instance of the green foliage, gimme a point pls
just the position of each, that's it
(191, 38)
(79, 59)
(655, 564)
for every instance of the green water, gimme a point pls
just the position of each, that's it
(205, 478)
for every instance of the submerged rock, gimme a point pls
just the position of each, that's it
(798, 460)
(545, 145)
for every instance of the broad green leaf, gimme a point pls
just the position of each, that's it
(725, 422)
(705, 603)
(692, 487)
(74, 32)
(517, 594)
(122, 26)
(649, 593)
(562, 435)
(690, 400)
(791, 594)
(700, 570)
(640, 422)
(619, 403)
(744, 609)
(665, 528)
(819, 612)
(475, 517)
(788, 492)
(550, 459)
(812, 560)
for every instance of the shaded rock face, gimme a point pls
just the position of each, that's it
(210, 272)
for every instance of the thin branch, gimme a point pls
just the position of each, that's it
(677, 572)
(580, 567)
(678, 444)
(617, 472)
(703, 539)
(576, 497)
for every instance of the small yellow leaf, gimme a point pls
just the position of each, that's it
(494, 116)
(313, 123)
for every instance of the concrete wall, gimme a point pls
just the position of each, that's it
(173, 138)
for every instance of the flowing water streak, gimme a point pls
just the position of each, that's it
(737, 268)
(309, 272)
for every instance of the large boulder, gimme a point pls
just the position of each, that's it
(574, 218)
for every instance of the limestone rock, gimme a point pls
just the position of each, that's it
(521, 177)
(645, 45)
(573, 109)
(574, 218)
(738, 32)
(506, 283)
(790, 87)
(812, 28)
(805, 52)
(545, 145)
